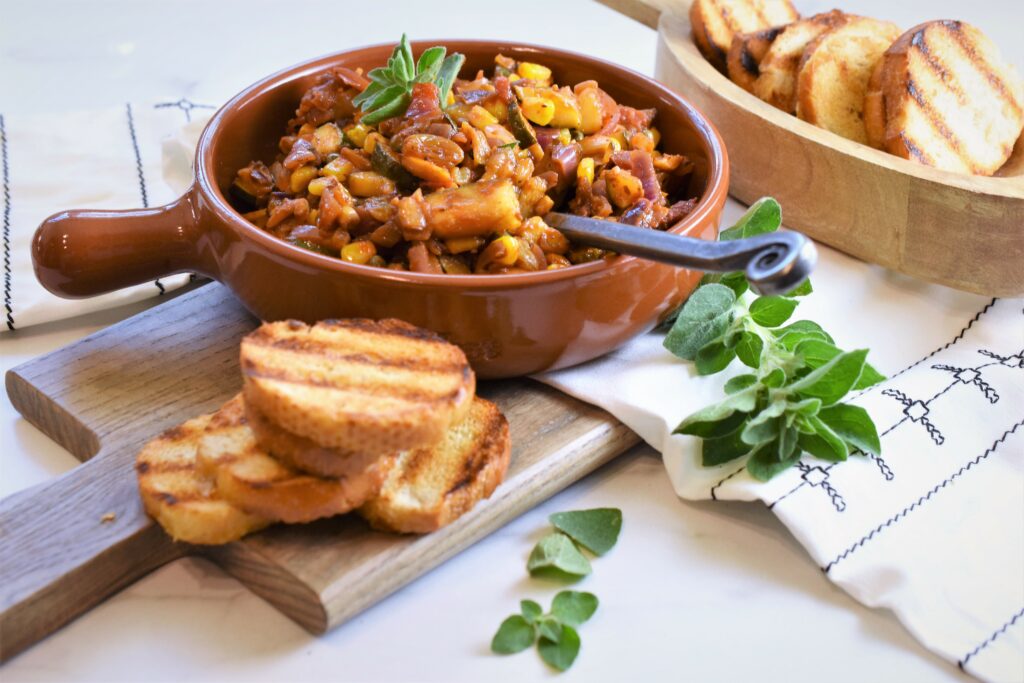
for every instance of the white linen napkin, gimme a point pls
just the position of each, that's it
(933, 529)
(105, 159)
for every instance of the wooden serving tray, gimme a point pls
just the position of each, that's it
(68, 544)
(957, 230)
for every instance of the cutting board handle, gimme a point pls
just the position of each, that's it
(67, 544)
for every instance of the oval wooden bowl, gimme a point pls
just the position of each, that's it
(962, 231)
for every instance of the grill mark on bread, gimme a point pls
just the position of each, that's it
(915, 151)
(920, 42)
(407, 394)
(937, 122)
(955, 30)
(161, 467)
(315, 347)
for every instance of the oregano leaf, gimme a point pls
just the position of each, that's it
(514, 635)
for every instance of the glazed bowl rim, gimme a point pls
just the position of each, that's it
(709, 202)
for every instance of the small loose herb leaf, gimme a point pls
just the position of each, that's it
(833, 380)
(556, 556)
(531, 610)
(722, 449)
(574, 607)
(803, 289)
(869, 377)
(738, 383)
(550, 628)
(447, 74)
(737, 282)
(703, 319)
(763, 464)
(749, 349)
(823, 444)
(597, 530)
(697, 424)
(514, 635)
(853, 425)
(560, 655)
(772, 311)
(763, 216)
(713, 358)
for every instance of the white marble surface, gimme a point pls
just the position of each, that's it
(692, 592)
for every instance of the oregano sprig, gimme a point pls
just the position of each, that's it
(558, 553)
(390, 88)
(790, 403)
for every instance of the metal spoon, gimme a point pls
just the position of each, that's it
(774, 263)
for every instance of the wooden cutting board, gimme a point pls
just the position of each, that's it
(68, 544)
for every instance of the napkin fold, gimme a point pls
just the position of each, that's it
(933, 529)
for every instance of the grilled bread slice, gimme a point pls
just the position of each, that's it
(302, 453)
(255, 481)
(432, 487)
(834, 72)
(358, 385)
(715, 22)
(776, 80)
(942, 95)
(743, 62)
(181, 498)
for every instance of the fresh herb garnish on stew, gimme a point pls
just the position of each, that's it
(390, 88)
(791, 401)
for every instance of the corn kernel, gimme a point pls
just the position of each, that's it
(641, 142)
(564, 136)
(458, 245)
(358, 252)
(338, 169)
(543, 205)
(586, 170)
(480, 118)
(461, 175)
(301, 178)
(307, 129)
(317, 186)
(534, 72)
(655, 135)
(538, 110)
(369, 184)
(508, 254)
(349, 216)
(327, 139)
(591, 111)
(372, 140)
(377, 260)
(356, 134)
(619, 139)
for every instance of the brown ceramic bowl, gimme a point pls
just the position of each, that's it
(508, 325)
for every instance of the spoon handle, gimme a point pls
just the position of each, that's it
(774, 263)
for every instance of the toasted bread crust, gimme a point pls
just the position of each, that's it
(358, 385)
(743, 62)
(715, 22)
(833, 76)
(432, 487)
(948, 99)
(776, 81)
(182, 499)
(304, 454)
(255, 481)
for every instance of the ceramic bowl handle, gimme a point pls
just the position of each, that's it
(88, 252)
